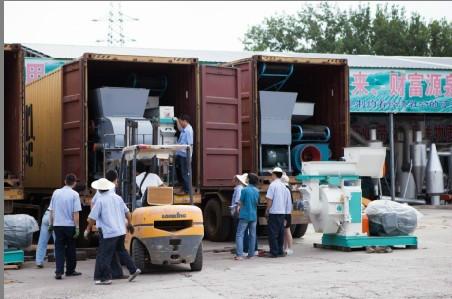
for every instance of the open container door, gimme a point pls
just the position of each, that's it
(221, 125)
(73, 119)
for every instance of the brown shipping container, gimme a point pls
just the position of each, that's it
(43, 103)
(208, 94)
(318, 80)
(13, 121)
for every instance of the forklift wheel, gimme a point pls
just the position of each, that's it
(197, 264)
(139, 255)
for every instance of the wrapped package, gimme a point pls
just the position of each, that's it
(390, 218)
(18, 230)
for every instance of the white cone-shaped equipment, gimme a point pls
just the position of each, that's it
(419, 156)
(434, 173)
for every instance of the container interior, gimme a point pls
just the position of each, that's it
(314, 83)
(13, 115)
(179, 91)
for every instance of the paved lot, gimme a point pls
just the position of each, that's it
(310, 273)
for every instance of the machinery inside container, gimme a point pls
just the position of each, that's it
(315, 119)
(147, 94)
(13, 114)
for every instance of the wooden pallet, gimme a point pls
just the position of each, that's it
(11, 267)
(350, 249)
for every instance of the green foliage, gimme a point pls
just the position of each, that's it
(324, 28)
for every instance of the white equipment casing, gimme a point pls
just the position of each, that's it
(329, 208)
(335, 207)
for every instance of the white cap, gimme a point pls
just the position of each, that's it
(277, 169)
(243, 178)
(102, 184)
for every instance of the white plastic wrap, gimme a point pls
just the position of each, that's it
(389, 218)
(18, 230)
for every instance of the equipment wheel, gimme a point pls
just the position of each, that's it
(217, 226)
(299, 230)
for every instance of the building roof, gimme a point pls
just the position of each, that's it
(364, 61)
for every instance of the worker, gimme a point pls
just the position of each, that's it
(240, 181)
(186, 137)
(44, 237)
(278, 197)
(249, 199)
(116, 267)
(64, 221)
(111, 211)
(288, 240)
(145, 179)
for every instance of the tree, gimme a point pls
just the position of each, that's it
(324, 28)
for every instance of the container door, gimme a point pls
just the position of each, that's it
(221, 125)
(73, 118)
(13, 116)
(249, 158)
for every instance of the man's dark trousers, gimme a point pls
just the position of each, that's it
(107, 249)
(181, 163)
(276, 233)
(65, 249)
(116, 268)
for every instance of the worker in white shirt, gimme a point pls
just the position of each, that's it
(278, 199)
(145, 179)
(288, 240)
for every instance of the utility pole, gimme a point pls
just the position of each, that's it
(115, 20)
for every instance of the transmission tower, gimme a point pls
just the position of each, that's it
(115, 20)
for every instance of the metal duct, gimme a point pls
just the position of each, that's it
(355, 135)
(310, 133)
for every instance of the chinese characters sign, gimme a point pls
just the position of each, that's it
(411, 91)
(36, 68)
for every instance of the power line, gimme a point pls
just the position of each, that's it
(115, 20)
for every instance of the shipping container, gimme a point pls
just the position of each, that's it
(13, 124)
(321, 81)
(43, 134)
(208, 94)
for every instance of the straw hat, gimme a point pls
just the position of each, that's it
(242, 178)
(277, 169)
(102, 184)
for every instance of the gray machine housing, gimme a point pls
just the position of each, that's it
(276, 109)
(112, 106)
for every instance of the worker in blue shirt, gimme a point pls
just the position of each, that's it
(186, 137)
(249, 199)
(116, 267)
(64, 221)
(111, 212)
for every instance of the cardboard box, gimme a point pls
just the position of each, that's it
(158, 196)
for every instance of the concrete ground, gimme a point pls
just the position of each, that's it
(309, 273)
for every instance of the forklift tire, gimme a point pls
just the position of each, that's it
(217, 227)
(197, 264)
(139, 255)
(300, 230)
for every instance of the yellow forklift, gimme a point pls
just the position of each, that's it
(165, 232)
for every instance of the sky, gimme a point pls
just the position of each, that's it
(215, 25)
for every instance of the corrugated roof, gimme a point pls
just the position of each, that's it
(402, 62)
